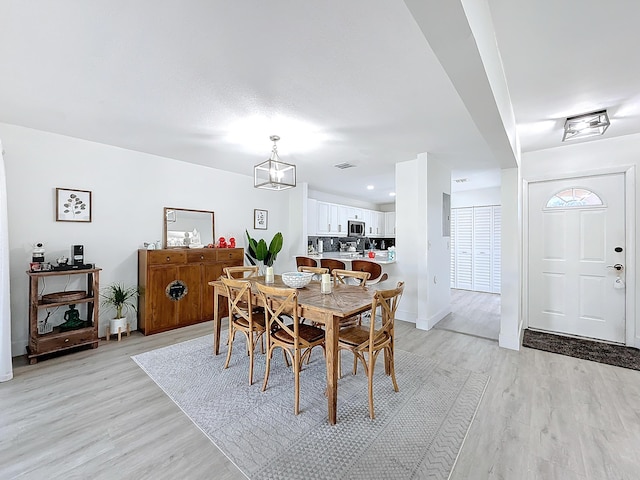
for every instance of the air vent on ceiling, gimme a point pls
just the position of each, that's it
(344, 165)
(461, 180)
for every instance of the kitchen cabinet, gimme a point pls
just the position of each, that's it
(389, 224)
(354, 213)
(44, 339)
(174, 285)
(374, 223)
(331, 219)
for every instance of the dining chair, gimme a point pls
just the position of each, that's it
(332, 263)
(241, 272)
(306, 262)
(296, 339)
(317, 271)
(243, 317)
(366, 342)
(350, 277)
(374, 269)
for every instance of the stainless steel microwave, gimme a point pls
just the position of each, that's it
(355, 228)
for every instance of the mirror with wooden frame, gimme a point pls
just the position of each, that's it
(185, 228)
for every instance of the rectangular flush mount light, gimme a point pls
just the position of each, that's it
(587, 125)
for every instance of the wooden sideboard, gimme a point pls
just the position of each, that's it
(174, 285)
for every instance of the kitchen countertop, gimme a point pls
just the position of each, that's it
(381, 256)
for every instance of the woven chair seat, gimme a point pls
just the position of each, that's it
(258, 319)
(308, 333)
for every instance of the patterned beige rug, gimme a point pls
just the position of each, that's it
(417, 432)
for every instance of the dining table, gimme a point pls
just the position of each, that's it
(324, 308)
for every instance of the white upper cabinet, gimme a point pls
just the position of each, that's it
(389, 224)
(324, 218)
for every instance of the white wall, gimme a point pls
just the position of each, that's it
(476, 198)
(439, 247)
(600, 156)
(411, 239)
(511, 260)
(129, 191)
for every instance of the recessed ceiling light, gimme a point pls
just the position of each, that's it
(392, 194)
(461, 180)
(369, 187)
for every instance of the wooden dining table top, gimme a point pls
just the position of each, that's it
(343, 301)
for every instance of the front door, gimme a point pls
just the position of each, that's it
(576, 256)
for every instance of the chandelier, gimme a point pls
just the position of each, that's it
(273, 174)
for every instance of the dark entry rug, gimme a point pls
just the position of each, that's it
(618, 355)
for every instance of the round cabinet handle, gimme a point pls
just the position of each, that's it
(168, 259)
(201, 257)
(66, 340)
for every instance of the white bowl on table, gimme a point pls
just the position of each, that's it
(296, 279)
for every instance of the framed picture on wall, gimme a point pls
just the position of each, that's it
(73, 205)
(260, 219)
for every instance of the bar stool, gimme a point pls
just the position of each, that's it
(332, 263)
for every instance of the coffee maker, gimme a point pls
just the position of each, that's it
(77, 254)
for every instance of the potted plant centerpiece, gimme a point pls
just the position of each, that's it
(258, 251)
(123, 300)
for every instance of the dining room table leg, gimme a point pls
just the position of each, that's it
(332, 325)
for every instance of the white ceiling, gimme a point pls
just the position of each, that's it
(209, 81)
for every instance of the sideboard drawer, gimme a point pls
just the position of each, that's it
(166, 257)
(226, 254)
(202, 255)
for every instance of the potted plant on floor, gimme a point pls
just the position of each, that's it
(257, 250)
(123, 299)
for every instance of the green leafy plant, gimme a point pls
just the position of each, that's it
(120, 298)
(258, 250)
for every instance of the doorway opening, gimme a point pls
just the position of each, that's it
(473, 313)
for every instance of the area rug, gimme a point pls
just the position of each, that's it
(618, 355)
(417, 433)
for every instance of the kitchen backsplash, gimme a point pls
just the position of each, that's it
(332, 244)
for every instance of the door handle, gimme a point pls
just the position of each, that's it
(617, 266)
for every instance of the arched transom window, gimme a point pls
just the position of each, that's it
(574, 197)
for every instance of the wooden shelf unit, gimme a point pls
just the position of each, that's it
(190, 271)
(57, 341)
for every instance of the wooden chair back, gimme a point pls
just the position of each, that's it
(317, 271)
(374, 269)
(241, 272)
(332, 263)
(343, 276)
(387, 302)
(306, 262)
(239, 295)
(280, 303)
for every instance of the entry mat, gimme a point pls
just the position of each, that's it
(618, 355)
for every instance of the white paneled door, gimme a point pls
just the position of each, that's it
(576, 241)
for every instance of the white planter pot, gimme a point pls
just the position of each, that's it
(116, 323)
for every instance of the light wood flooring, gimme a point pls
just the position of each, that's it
(95, 414)
(473, 313)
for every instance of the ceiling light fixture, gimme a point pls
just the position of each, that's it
(587, 125)
(392, 194)
(274, 174)
(369, 187)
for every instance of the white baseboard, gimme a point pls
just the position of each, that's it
(406, 315)
(435, 318)
(512, 342)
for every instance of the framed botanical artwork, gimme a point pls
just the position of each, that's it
(73, 205)
(260, 219)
